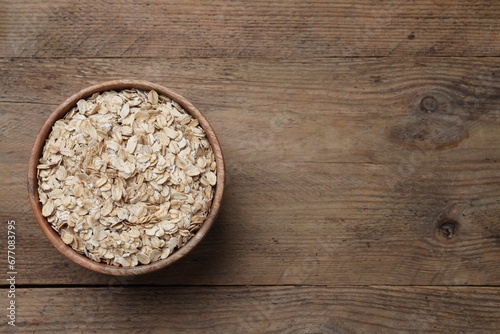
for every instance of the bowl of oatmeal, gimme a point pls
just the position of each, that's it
(126, 177)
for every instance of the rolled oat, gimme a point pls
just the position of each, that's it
(126, 177)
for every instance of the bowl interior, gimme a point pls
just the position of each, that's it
(54, 237)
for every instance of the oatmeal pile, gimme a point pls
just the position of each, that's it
(126, 177)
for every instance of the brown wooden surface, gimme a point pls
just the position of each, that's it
(292, 28)
(362, 153)
(279, 309)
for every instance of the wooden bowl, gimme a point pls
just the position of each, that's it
(55, 238)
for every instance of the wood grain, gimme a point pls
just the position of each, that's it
(259, 310)
(242, 29)
(327, 183)
(361, 140)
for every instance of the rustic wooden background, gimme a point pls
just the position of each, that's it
(362, 141)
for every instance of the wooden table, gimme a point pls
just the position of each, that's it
(362, 141)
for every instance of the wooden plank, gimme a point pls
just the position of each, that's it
(314, 105)
(228, 29)
(259, 310)
(340, 234)
(316, 193)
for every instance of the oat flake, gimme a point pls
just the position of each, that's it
(126, 177)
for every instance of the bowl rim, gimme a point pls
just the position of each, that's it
(36, 153)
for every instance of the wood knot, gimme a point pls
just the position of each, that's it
(434, 121)
(447, 228)
(428, 104)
